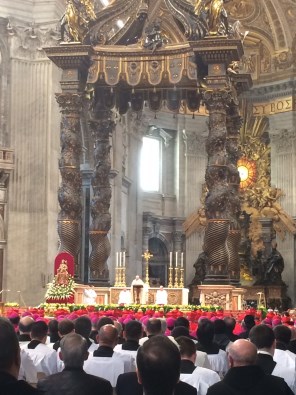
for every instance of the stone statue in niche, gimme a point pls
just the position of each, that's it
(274, 266)
(200, 269)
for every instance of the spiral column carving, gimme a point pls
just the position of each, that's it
(69, 194)
(233, 124)
(216, 249)
(216, 202)
(101, 127)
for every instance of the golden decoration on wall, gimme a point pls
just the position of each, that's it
(247, 171)
(258, 198)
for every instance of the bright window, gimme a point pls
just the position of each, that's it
(150, 165)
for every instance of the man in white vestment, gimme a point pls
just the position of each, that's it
(139, 290)
(89, 296)
(161, 296)
(124, 296)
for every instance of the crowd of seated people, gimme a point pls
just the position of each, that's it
(152, 356)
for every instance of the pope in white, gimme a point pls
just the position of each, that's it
(89, 296)
(161, 296)
(124, 296)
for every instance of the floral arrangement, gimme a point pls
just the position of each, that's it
(57, 309)
(57, 291)
(11, 304)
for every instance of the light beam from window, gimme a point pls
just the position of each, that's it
(150, 165)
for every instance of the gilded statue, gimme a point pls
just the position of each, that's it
(77, 16)
(62, 276)
(215, 15)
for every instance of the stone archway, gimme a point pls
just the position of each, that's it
(158, 265)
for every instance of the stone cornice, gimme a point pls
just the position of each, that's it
(276, 90)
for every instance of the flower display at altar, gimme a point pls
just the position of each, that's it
(62, 287)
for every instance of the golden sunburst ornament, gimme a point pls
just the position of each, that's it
(247, 171)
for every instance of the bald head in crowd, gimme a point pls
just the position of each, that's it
(25, 324)
(107, 336)
(242, 353)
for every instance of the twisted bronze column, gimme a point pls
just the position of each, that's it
(69, 194)
(233, 240)
(101, 126)
(216, 203)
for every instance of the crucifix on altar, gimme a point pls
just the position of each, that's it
(147, 256)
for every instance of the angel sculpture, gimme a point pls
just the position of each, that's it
(77, 17)
(215, 14)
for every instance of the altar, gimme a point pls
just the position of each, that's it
(102, 294)
(176, 296)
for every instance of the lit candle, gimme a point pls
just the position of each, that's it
(123, 261)
(182, 253)
(177, 259)
(171, 259)
(120, 258)
(116, 259)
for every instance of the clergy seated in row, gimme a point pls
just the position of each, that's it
(25, 326)
(220, 334)
(65, 327)
(10, 363)
(104, 361)
(82, 326)
(264, 339)
(282, 355)
(201, 358)
(158, 363)
(125, 297)
(132, 333)
(205, 342)
(161, 296)
(43, 357)
(152, 328)
(198, 377)
(73, 379)
(97, 325)
(245, 377)
(53, 331)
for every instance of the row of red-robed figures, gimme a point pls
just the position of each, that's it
(202, 360)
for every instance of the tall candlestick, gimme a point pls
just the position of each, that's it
(182, 254)
(176, 259)
(171, 259)
(120, 258)
(116, 259)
